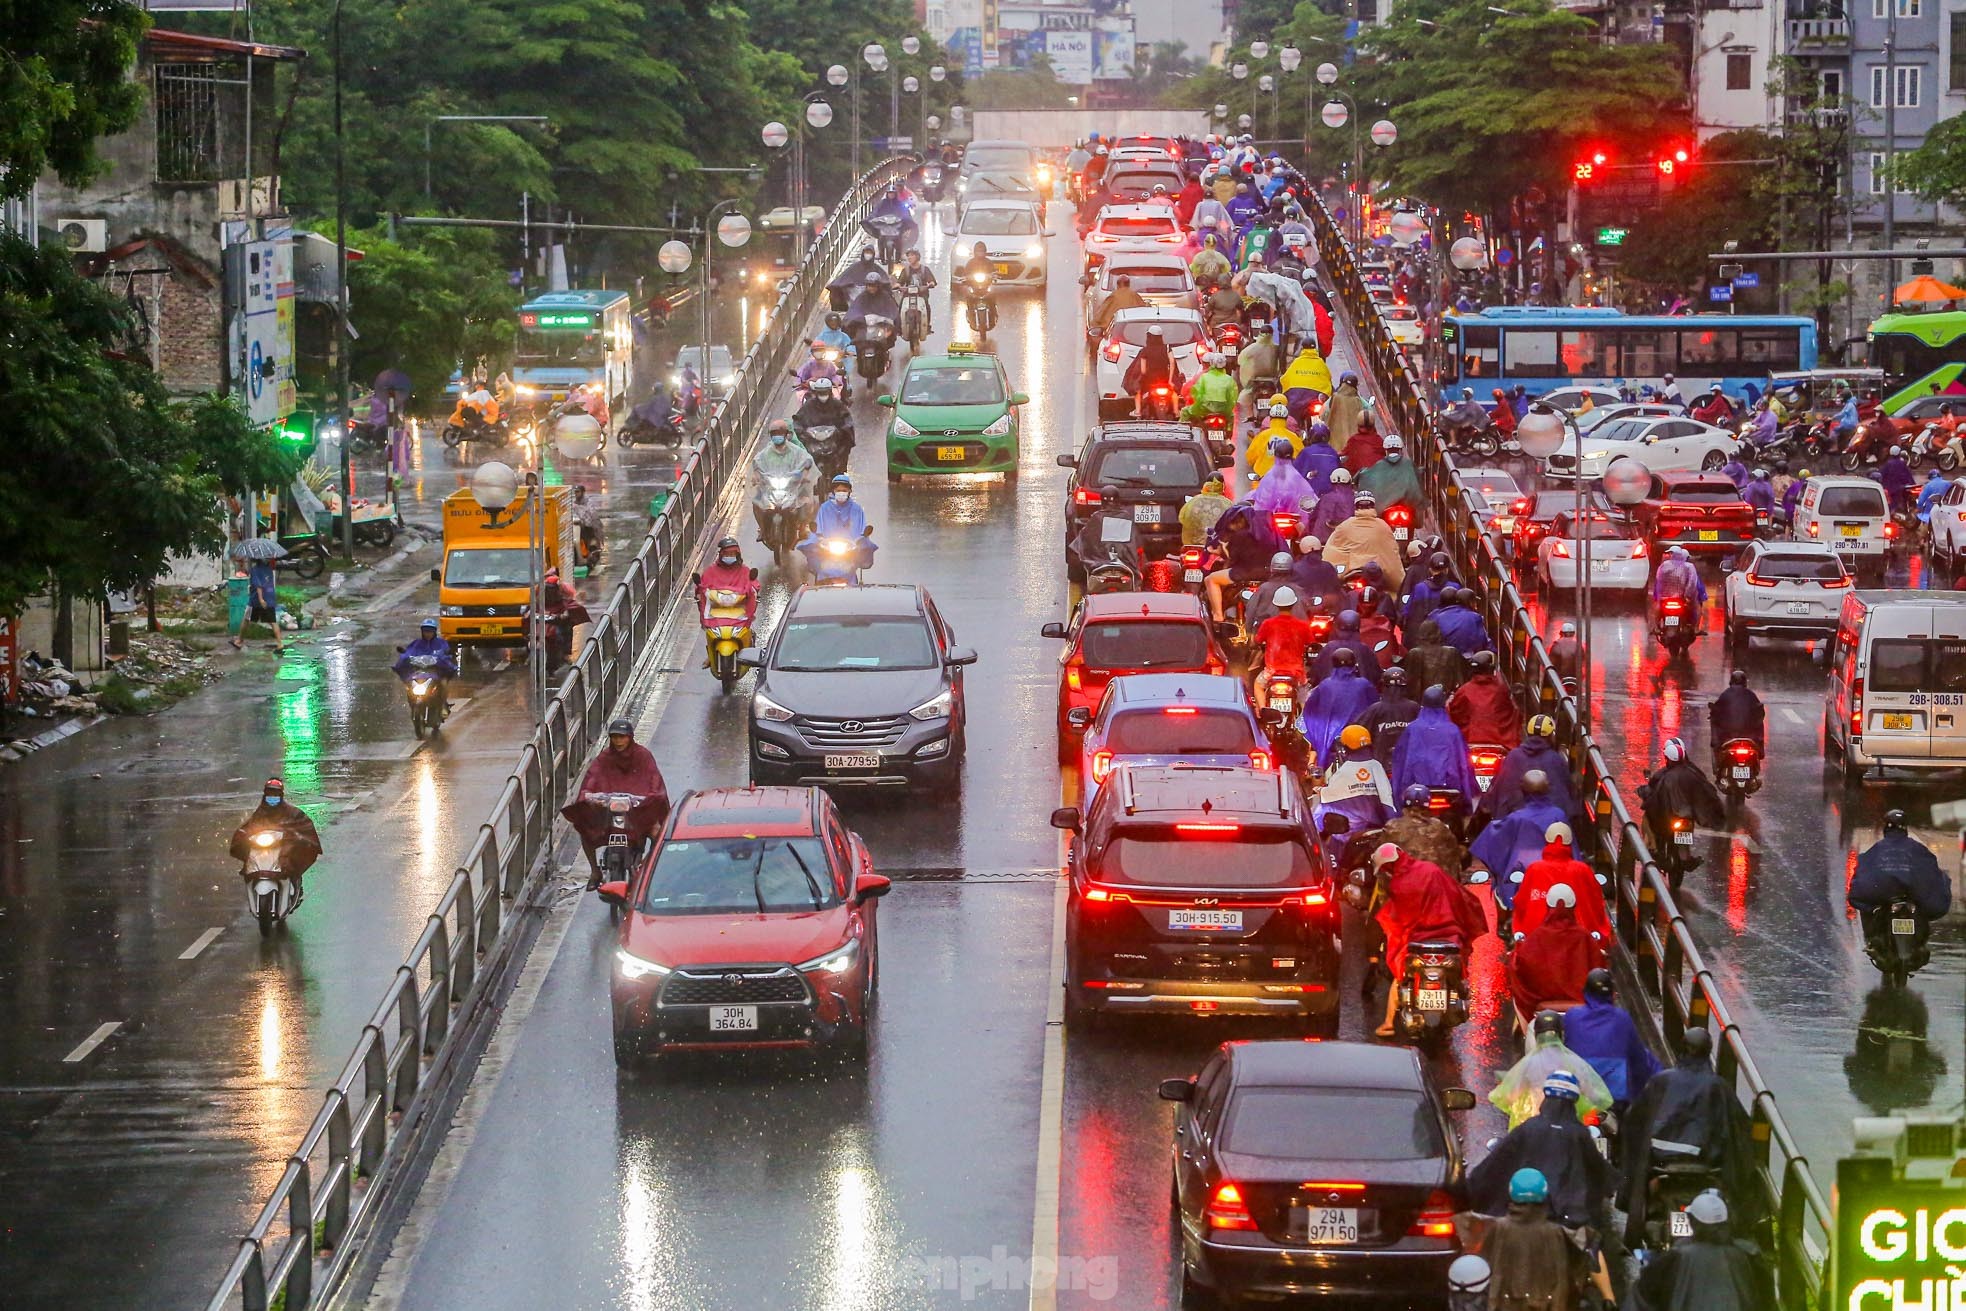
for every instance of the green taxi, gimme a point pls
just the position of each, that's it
(954, 413)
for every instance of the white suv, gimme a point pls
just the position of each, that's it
(1782, 589)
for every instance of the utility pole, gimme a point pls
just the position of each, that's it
(1890, 142)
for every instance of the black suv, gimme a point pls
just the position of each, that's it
(1196, 889)
(1154, 466)
(859, 687)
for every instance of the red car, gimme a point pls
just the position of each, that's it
(1702, 512)
(1115, 633)
(752, 927)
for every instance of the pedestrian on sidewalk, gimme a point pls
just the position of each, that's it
(262, 605)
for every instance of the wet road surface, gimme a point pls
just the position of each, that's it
(740, 1183)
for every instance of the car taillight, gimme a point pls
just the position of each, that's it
(1856, 708)
(1562, 549)
(1073, 678)
(1285, 525)
(1102, 765)
(1521, 507)
(1815, 529)
(1112, 351)
(1085, 496)
(1890, 528)
(1756, 580)
(1179, 710)
(1638, 550)
(1260, 760)
(1102, 894)
(1227, 1210)
(1436, 1218)
(1833, 582)
(1208, 828)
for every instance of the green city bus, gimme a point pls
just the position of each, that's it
(1919, 352)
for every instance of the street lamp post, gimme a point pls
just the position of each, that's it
(838, 75)
(468, 118)
(910, 46)
(1269, 84)
(733, 230)
(912, 85)
(875, 56)
(936, 74)
(341, 314)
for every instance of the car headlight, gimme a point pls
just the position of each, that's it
(902, 428)
(936, 707)
(1001, 428)
(452, 611)
(837, 961)
(961, 253)
(634, 967)
(1034, 252)
(767, 709)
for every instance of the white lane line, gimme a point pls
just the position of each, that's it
(93, 1041)
(203, 941)
(395, 594)
(1726, 836)
(1788, 713)
(1051, 1118)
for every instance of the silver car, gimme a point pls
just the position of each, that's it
(1783, 589)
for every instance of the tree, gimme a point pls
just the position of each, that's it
(428, 302)
(1936, 171)
(1313, 31)
(106, 476)
(66, 83)
(1714, 202)
(1036, 87)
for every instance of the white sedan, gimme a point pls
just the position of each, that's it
(1783, 589)
(1403, 324)
(1127, 334)
(1949, 524)
(1619, 560)
(1662, 443)
(1011, 236)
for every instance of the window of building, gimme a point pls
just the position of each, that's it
(1956, 60)
(1832, 84)
(1877, 175)
(1906, 8)
(1740, 72)
(1910, 79)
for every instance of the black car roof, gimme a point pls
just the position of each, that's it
(867, 599)
(1299, 1063)
(1145, 430)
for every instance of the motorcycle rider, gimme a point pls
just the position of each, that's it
(1678, 788)
(1334, 506)
(1685, 1113)
(1460, 623)
(1559, 865)
(1355, 784)
(1420, 832)
(1306, 382)
(1532, 1260)
(623, 765)
(1936, 484)
(431, 645)
(1258, 362)
(781, 457)
(1365, 536)
(1263, 604)
(1555, 1142)
(1318, 459)
(1281, 641)
(1897, 866)
(1393, 480)
(1465, 416)
(1424, 594)
(914, 271)
(1431, 661)
(1210, 267)
(1607, 1038)
(1122, 297)
(1708, 1271)
(1314, 577)
(1523, 1087)
(300, 845)
(1336, 703)
(834, 335)
(1676, 577)
(1200, 512)
(1507, 847)
(1345, 637)
(875, 302)
(1760, 493)
(1433, 754)
(821, 408)
(1245, 560)
(1737, 713)
(1895, 477)
(1549, 964)
(1152, 367)
(1537, 751)
(1567, 653)
(727, 573)
(1388, 717)
(1214, 392)
(1422, 902)
(588, 518)
(815, 367)
(1483, 708)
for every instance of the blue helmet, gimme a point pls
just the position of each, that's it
(841, 480)
(1529, 1185)
(429, 625)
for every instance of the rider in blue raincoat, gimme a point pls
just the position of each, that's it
(1335, 703)
(1505, 793)
(1460, 624)
(1510, 845)
(840, 516)
(1345, 636)
(1432, 752)
(1318, 458)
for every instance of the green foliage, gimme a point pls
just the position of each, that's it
(1036, 87)
(1166, 66)
(1712, 204)
(64, 68)
(425, 303)
(1936, 171)
(105, 476)
(1320, 36)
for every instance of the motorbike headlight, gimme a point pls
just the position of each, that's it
(779, 484)
(902, 428)
(1001, 428)
(1034, 251)
(634, 967)
(452, 611)
(936, 707)
(838, 546)
(763, 707)
(266, 839)
(838, 961)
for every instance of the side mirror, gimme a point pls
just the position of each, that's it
(400, 650)
(1085, 280)
(754, 575)
(436, 575)
(696, 579)
(1052, 630)
(1177, 1090)
(1726, 566)
(885, 402)
(1457, 1099)
(868, 887)
(749, 658)
(1068, 461)
(1067, 818)
(962, 655)
(1020, 398)
(1335, 824)
(1078, 716)
(615, 893)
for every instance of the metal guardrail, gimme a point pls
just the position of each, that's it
(1654, 938)
(301, 1242)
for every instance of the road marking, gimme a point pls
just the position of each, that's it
(1051, 1117)
(1727, 836)
(93, 1041)
(1788, 713)
(203, 941)
(395, 594)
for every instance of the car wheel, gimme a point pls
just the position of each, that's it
(1324, 1025)
(1712, 462)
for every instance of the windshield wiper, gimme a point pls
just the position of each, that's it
(812, 884)
(757, 887)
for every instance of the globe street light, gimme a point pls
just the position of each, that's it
(1327, 73)
(1269, 84)
(1259, 49)
(911, 45)
(1289, 58)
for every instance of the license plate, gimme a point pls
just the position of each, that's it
(1682, 1225)
(950, 453)
(617, 839)
(1742, 771)
(1709, 534)
(853, 762)
(1003, 270)
(1851, 529)
(1683, 838)
(733, 1019)
(1146, 514)
(1672, 621)
(1798, 607)
(1206, 921)
(1330, 1224)
(1282, 703)
(1401, 534)
(1902, 723)
(1904, 928)
(1433, 999)
(1600, 566)
(1191, 575)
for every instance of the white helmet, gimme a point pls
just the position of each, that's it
(1284, 597)
(1340, 477)
(1561, 894)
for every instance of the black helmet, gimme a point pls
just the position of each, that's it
(1416, 794)
(1344, 658)
(1348, 621)
(726, 543)
(1894, 822)
(1698, 1042)
(1598, 984)
(1548, 1022)
(1434, 698)
(1440, 564)
(1739, 678)
(621, 728)
(1482, 660)
(1394, 677)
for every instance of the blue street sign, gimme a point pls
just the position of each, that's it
(255, 375)
(1720, 291)
(1747, 279)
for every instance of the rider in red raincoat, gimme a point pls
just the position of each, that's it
(1559, 865)
(1548, 967)
(623, 765)
(1422, 901)
(1483, 709)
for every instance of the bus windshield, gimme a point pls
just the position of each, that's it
(560, 349)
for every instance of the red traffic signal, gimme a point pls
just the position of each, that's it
(1586, 169)
(1670, 162)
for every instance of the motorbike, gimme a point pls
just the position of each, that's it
(425, 690)
(1739, 770)
(1118, 568)
(1934, 443)
(1900, 949)
(1219, 429)
(1194, 571)
(1866, 445)
(828, 444)
(1460, 438)
(1486, 758)
(1400, 519)
(835, 561)
(558, 633)
(873, 346)
(1674, 1180)
(1675, 624)
(638, 431)
(982, 308)
(1433, 990)
(1450, 807)
(1157, 403)
(888, 232)
(475, 429)
(629, 818)
(783, 508)
(1290, 749)
(932, 183)
(270, 894)
(728, 630)
(1675, 854)
(914, 315)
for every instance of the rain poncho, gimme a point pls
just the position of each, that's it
(1556, 1143)
(1461, 628)
(1485, 712)
(1199, 514)
(1559, 865)
(840, 520)
(1281, 491)
(1690, 1105)
(1433, 754)
(1333, 508)
(632, 771)
(1899, 865)
(1345, 637)
(1366, 448)
(1313, 578)
(1707, 1272)
(1261, 459)
(1681, 789)
(1286, 297)
(1429, 660)
(790, 460)
(1738, 713)
(1505, 792)
(300, 844)
(1364, 536)
(1316, 462)
(1519, 1094)
(1420, 600)
(1306, 382)
(1422, 836)
(1392, 482)
(1333, 705)
(1343, 413)
(1387, 721)
(1509, 845)
(1357, 789)
(434, 647)
(1601, 1033)
(1425, 903)
(1548, 966)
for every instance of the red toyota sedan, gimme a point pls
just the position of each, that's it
(754, 926)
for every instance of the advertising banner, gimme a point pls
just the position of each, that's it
(1071, 56)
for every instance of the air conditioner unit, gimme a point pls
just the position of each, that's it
(84, 234)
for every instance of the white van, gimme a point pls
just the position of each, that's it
(1850, 514)
(1897, 682)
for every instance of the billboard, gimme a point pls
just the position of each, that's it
(966, 43)
(266, 370)
(1112, 50)
(1899, 1242)
(989, 33)
(1071, 56)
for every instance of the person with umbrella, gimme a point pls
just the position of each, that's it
(262, 599)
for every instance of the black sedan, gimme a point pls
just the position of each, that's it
(1316, 1168)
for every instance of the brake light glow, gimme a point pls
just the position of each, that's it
(1160, 391)
(1834, 582)
(1856, 708)
(1561, 549)
(1742, 751)
(1072, 677)
(1485, 762)
(1208, 828)
(1101, 894)
(1436, 1218)
(1191, 557)
(1440, 803)
(1890, 528)
(1085, 496)
(1399, 515)
(1321, 1186)
(1260, 760)
(1815, 529)
(1756, 580)
(1227, 1210)
(1179, 710)
(1521, 506)
(1112, 351)
(1672, 605)
(1102, 765)
(1285, 524)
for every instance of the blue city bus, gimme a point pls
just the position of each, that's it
(571, 339)
(1547, 349)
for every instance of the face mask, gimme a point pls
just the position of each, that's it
(728, 559)
(778, 439)
(271, 801)
(1392, 457)
(841, 498)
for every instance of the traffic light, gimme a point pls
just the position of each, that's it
(1590, 167)
(1671, 161)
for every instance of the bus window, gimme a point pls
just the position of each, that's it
(559, 349)
(1645, 352)
(1771, 350)
(1708, 351)
(1531, 353)
(1590, 355)
(1480, 350)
